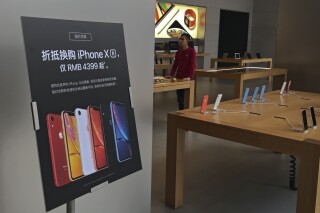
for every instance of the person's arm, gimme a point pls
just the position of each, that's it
(174, 66)
(192, 64)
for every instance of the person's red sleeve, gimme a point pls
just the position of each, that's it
(174, 66)
(193, 64)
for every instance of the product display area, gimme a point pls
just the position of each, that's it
(241, 62)
(257, 127)
(239, 75)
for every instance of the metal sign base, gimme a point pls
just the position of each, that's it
(71, 206)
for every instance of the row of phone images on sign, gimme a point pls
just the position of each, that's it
(78, 141)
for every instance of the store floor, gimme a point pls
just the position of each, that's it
(220, 176)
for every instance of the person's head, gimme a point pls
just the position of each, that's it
(184, 40)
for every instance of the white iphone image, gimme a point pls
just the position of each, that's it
(86, 149)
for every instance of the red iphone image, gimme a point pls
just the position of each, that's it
(57, 150)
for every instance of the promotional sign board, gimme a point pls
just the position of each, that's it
(80, 90)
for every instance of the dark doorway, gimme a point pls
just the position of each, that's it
(233, 33)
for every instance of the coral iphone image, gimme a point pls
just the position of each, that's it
(72, 144)
(121, 131)
(57, 150)
(86, 147)
(97, 137)
(204, 104)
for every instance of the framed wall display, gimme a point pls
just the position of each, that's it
(173, 20)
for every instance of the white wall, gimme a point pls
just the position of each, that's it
(213, 21)
(20, 180)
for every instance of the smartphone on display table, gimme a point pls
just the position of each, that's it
(288, 87)
(57, 150)
(304, 120)
(283, 88)
(86, 147)
(313, 117)
(204, 104)
(97, 139)
(121, 131)
(217, 102)
(245, 96)
(256, 90)
(263, 88)
(72, 143)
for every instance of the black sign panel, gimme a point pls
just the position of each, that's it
(80, 83)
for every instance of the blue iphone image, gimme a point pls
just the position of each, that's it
(246, 93)
(121, 131)
(263, 88)
(256, 90)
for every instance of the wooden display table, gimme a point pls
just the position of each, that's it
(241, 62)
(179, 84)
(166, 65)
(172, 55)
(239, 75)
(263, 131)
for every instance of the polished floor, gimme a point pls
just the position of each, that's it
(220, 176)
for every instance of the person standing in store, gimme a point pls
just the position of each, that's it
(184, 65)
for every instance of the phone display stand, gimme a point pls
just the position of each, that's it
(71, 206)
(228, 111)
(205, 112)
(260, 102)
(298, 96)
(288, 93)
(293, 128)
(264, 100)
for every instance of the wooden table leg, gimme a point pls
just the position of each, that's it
(238, 87)
(174, 164)
(270, 64)
(215, 66)
(189, 96)
(308, 187)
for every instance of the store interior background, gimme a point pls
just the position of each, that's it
(285, 30)
(20, 177)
